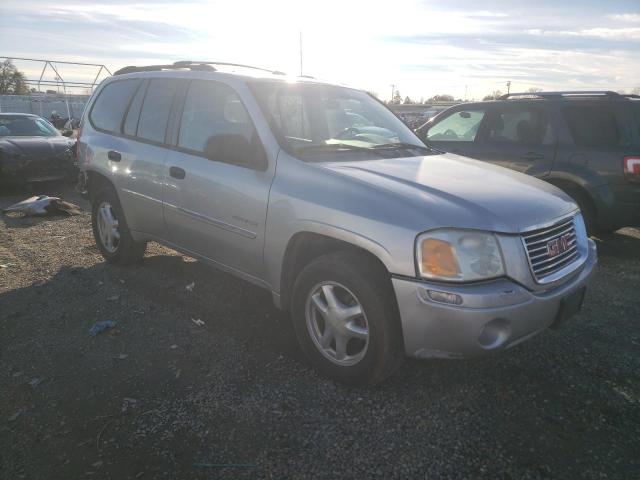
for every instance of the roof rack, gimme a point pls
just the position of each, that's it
(156, 68)
(188, 63)
(567, 94)
(191, 65)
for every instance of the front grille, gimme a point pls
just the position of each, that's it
(552, 248)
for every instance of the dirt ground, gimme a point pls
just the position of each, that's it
(164, 396)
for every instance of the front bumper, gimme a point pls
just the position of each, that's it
(493, 315)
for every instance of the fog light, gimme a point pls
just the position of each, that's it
(494, 334)
(444, 297)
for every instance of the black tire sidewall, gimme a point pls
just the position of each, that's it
(126, 243)
(379, 313)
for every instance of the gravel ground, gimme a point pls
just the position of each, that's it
(160, 396)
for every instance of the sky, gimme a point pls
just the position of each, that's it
(423, 47)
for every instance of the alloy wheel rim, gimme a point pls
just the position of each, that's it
(108, 230)
(337, 323)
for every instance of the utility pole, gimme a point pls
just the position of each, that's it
(393, 92)
(509, 87)
(465, 93)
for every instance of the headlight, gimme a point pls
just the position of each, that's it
(459, 255)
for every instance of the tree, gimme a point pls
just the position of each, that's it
(397, 99)
(12, 80)
(534, 90)
(407, 100)
(496, 94)
(441, 98)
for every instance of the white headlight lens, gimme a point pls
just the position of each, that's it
(459, 255)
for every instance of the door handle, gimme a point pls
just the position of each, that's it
(177, 172)
(114, 156)
(533, 156)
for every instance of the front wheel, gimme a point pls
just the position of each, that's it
(110, 230)
(346, 320)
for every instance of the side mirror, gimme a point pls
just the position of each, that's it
(237, 150)
(421, 132)
(67, 133)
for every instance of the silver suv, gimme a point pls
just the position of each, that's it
(378, 246)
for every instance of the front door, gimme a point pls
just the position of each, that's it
(518, 136)
(218, 180)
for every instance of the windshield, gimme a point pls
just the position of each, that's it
(25, 126)
(312, 120)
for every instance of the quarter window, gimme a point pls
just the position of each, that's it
(109, 108)
(458, 127)
(156, 109)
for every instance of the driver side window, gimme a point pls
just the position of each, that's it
(458, 127)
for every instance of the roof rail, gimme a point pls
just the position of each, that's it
(567, 94)
(191, 65)
(156, 68)
(188, 63)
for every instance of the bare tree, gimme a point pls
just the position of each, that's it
(12, 80)
(496, 94)
(534, 90)
(441, 98)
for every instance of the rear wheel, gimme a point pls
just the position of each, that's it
(110, 230)
(588, 209)
(346, 319)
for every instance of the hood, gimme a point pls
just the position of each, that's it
(454, 191)
(39, 147)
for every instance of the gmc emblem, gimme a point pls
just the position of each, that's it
(558, 245)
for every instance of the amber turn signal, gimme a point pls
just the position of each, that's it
(438, 259)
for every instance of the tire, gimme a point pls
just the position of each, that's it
(353, 280)
(123, 250)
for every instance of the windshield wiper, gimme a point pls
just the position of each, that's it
(334, 147)
(399, 145)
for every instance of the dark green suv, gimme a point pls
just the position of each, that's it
(586, 143)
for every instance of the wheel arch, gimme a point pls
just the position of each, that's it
(97, 181)
(304, 246)
(569, 184)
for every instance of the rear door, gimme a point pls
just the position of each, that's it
(112, 147)
(599, 137)
(143, 155)
(519, 136)
(457, 131)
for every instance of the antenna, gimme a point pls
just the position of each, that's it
(300, 43)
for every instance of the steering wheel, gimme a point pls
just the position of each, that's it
(450, 134)
(351, 131)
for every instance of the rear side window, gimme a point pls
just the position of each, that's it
(111, 104)
(156, 109)
(526, 126)
(595, 126)
(133, 113)
(457, 127)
